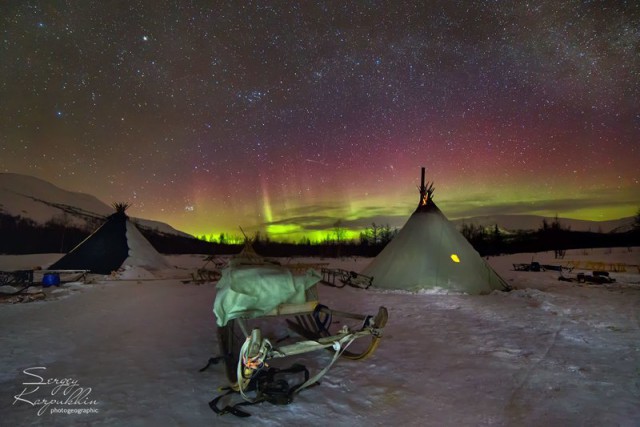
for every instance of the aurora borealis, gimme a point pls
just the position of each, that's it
(287, 116)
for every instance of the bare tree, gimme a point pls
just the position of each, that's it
(339, 231)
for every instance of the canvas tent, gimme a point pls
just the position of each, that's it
(116, 244)
(430, 253)
(247, 255)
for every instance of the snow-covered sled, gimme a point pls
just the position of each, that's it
(253, 300)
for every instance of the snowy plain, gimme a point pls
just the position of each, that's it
(548, 353)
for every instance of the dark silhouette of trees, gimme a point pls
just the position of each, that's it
(555, 237)
(484, 241)
(377, 235)
(23, 236)
(475, 234)
(374, 238)
(20, 235)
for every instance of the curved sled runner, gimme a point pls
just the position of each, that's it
(318, 325)
(245, 309)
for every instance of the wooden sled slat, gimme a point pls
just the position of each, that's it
(306, 327)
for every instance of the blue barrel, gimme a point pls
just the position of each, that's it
(51, 279)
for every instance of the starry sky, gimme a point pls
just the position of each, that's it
(288, 116)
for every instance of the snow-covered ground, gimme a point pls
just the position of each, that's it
(547, 353)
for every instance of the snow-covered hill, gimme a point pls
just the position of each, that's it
(41, 201)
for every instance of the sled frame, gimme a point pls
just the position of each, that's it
(316, 335)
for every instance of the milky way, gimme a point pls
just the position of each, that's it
(289, 116)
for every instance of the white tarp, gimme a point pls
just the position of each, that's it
(253, 291)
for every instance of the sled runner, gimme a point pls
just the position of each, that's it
(253, 299)
(317, 327)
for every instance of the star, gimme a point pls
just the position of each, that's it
(305, 109)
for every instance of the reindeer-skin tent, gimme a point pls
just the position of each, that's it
(117, 243)
(430, 253)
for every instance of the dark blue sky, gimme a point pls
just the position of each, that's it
(287, 116)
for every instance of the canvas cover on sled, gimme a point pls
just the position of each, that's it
(254, 291)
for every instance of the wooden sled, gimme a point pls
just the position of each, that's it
(348, 335)
(317, 327)
(344, 277)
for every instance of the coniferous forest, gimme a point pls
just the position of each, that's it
(23, 236)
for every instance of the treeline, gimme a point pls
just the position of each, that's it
(372, 240)
(23, 236)
(549, 237)
(20, 235)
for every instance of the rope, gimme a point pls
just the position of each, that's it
(248, 366)
(339, 349)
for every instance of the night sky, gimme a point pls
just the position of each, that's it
(288, 116)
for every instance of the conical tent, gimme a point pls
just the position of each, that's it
(117, 243)
(430, 253)
(248, 254)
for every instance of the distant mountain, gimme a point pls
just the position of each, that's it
(41, 201)
(534, 222)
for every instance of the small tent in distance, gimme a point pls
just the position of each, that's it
(430, 253)
(117, 243)
(248, 254)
